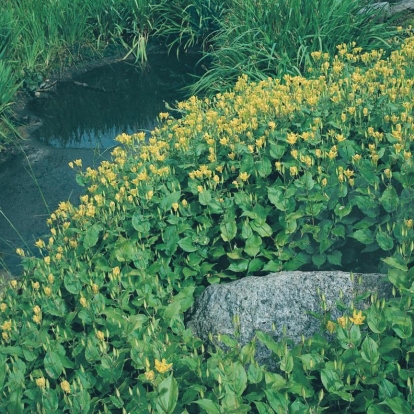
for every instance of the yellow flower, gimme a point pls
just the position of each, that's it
(47, 290)
(116, 271)
(37, 310)
(293, 170)
(13, 283)
(100, 335)
(95, 288)
(200, 188)
(388, 173)
(149, 375)
(356, 157)
(65, 386)
(78, 163)
(83, 302)
(36, 285)
(232, 155)
(150, 194)
(40, 244)
(51, 278)
(37, 319)
(216, 178)
(175, 206)
(7, 326)
(5, 336)
(244, 176)
(292, 138)
(3, 307)
(342, 321)
(47, 260)
(184, 203)
(330, 326)
(349, 173)
(20, 252)
(357, 318)
(408, 223)
(162, 366)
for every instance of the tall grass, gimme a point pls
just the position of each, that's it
(273, 37)
(184, 24)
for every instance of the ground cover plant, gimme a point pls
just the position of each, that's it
(272, 175)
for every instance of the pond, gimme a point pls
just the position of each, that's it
(79, 119)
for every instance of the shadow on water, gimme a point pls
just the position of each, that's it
(79, 122)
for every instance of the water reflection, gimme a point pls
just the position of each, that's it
(93, 108)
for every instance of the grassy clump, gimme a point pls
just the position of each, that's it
(303, 172)
(273, 38)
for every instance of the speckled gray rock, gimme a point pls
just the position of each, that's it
(281, 300)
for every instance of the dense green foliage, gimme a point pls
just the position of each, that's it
(268, 176)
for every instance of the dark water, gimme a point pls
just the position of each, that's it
(96, 106)
(79, 122)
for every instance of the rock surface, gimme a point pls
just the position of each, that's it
(279, 299)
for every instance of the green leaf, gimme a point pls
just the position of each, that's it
(53, 365)
(169, 200)
(364, 236)
(204, 198)
(393, 262)
(228, 230)
(368, 205)
(264, 167)
(398, 405)
(239, 266)
(187, 245)
(92, 236)
(331, 380)
(238, 378)
(140, 224)
(263, 229)
(279, 199)
(369, 350)
(277, 401)
(209, 406)
(384, 240)
(167, 395)
(335, 258)
(254, 373)
(50, 401)
(267, 340)
(389, 199)
(286, 363)
(319, 259)
(253, 245)
(72, 283)
(277, 151)
(125, 250)
(376, 320)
